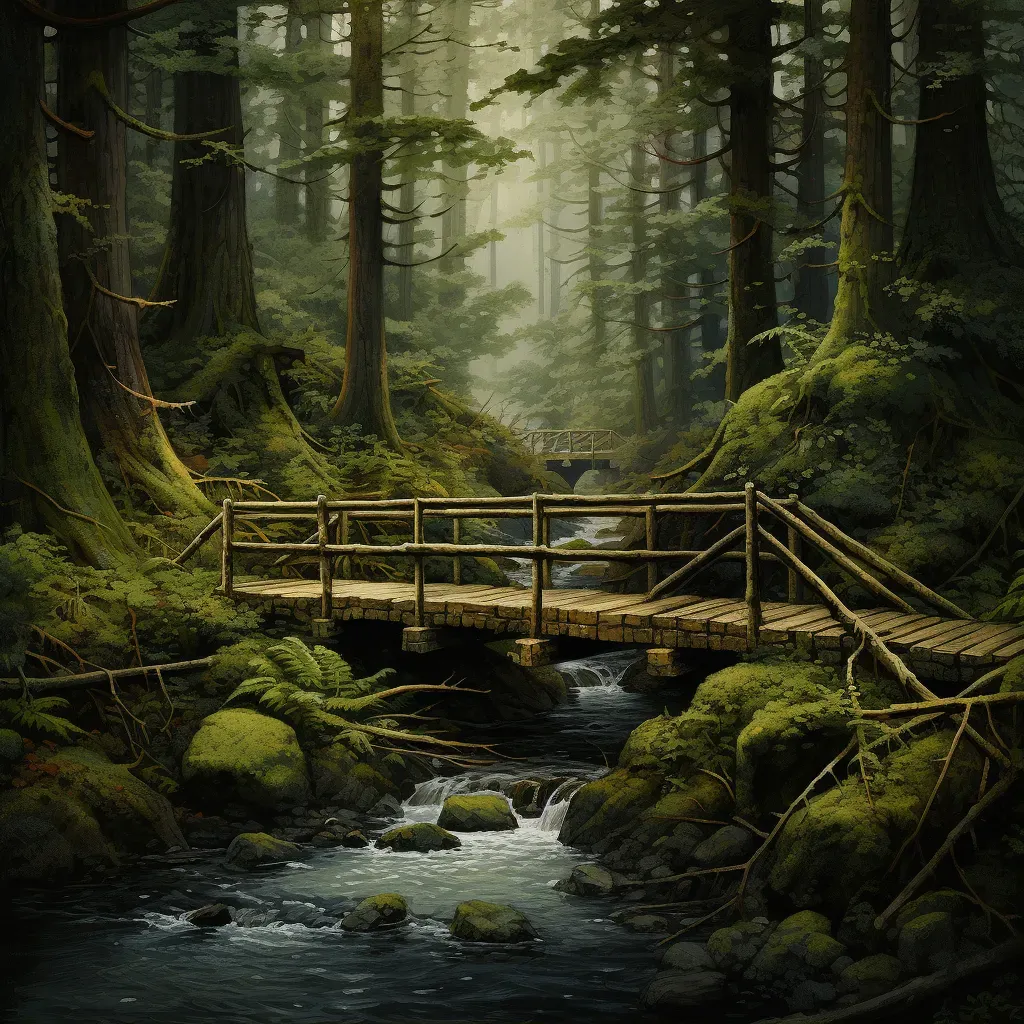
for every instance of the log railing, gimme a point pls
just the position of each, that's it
(582, 443)
(751, 541)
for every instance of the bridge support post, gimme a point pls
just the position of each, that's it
(667, 662)
(532, 653)
(326, 567)
(651, 525)
(421, 640)
(753, 560)
(456, 560)
(536, 581)
(417, 538)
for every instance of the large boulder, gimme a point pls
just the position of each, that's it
(607, 804)
(733, 947)
(241, 756)
(423, 837)
(927, 943)
(588, 880)
(687, 956)
(252, 850)
(375, 912)
(477, 812)
(870, 976)
(215, 915)
(84, 813)
(479, 921)
(726, 846)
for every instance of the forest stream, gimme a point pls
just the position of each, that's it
(123, 953)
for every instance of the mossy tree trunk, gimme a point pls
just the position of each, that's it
(48, 479)
(956, 218)
(812, 290)
(409, 84)
(752, 308)
(364, 398)
(120, 420)
(710, 325)
(456, 85)
(865, 233)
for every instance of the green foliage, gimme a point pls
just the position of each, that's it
(102, 613)
(35, 715)
(312, 689)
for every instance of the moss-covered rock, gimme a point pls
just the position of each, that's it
(423, 837)
(870, 976)
(588, 880)
(947, 901)
(11, 746)
(215, 915)
(338, 778)
(843, 826)
(800, 947)
(85, 812)
(680, 990)
(239, 755)
(479, 921)
(477, 812)
(606, 804)
(384, 910)
(251, 850)
(733, 947)
(927, 943)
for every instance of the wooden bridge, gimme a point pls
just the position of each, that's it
(767, 537)
(570, 453)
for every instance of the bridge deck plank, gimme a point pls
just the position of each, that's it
(685, 621)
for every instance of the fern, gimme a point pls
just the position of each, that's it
(34, 714)
(293, 657)
(335, 671)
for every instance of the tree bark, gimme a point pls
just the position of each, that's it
(752, 307)
(288, 124)
(645, 414)
(865, 233)
(676, 359)
(364, 398)
(956, 217)
(456, 84)
(408, 82)
(812, 290)
(154, 111)
(710, 326)
(121, 423)
(48, 479)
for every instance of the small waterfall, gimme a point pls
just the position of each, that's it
(557, 807)
(434, 792)
(600, 670)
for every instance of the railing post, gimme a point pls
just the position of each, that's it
(795, 588)
(456, 561)
(545, 539)
(326, 575)
(651, 539)
(417, 538)
(227, 536)
(346, 561)
(536, 589)
(593, 444)
(753, 590)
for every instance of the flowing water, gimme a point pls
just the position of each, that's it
(119, 951)
(594, 530)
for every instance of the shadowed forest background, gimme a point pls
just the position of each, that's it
(355, 248)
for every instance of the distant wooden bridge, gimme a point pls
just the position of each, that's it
(771, 535)
(574, 450)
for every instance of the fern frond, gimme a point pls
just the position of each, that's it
(292, 656)
(335, 671)
(252, 687)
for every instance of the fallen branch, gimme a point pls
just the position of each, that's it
(913, 991)
(82, 133)
(57, 683)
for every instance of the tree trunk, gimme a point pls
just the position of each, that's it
(542, 259)
(289, 136)
(645, 415)
(676, 345)
(710, 327)
(751, 271)
(364, 398)
(104, 333)
(208, 262)
(956, 218)
(409, 83)
(318, 188)
(865, 233)
(456, 84)
(595, 268)
(812, 291)
(48, 480)
(555, 268)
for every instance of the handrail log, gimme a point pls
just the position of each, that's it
(843, 561)
(752, 591)
(881, 563)
(849, 618)
(202, 537)
(695, 565)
